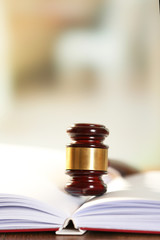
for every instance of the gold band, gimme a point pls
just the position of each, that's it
(79, 158)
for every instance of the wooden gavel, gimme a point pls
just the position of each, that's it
(86, 159)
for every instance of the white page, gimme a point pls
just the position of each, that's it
(35, 173)
(131, 203)
(139, 186)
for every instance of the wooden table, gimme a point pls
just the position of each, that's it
(88, 235)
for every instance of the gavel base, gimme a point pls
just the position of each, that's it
(85, 182)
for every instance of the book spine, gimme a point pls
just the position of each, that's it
(29, 230)
(69, 229)
(121, 230)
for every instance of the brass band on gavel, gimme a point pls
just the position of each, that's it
(81, 158)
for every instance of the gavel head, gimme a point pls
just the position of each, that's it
(86, 159)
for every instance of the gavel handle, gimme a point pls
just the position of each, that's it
(123, 168)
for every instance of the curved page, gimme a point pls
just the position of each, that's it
(31, 189)
(131, 204)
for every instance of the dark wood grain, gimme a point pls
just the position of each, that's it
(2, 236)
(88, 236)
(123, 168)
(30, 236)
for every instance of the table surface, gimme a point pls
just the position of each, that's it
(86, 236)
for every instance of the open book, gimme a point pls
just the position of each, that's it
(32, 197)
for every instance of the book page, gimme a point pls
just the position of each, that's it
(139, 186)
(35, 178)
(132, 203)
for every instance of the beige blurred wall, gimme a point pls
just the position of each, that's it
(5, 67)
(35, 26)
(102, 81)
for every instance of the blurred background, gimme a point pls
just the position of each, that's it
(70, 61)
